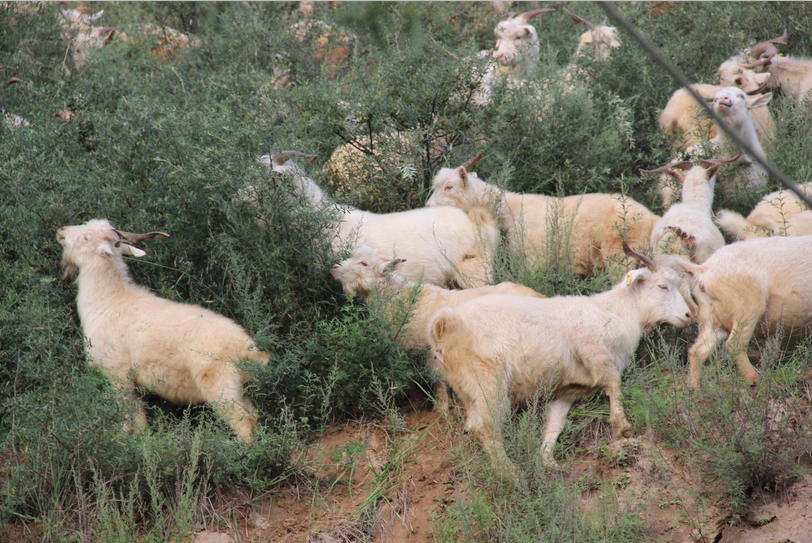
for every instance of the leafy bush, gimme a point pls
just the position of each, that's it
(171, 144)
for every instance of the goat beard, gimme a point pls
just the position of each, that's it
(70, 269)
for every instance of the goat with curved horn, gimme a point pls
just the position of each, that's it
(780, 40)
(631, 253)
(525, 17)
(471, 162)
(136, 238)
(708, 162)
(581, 20)
(280, 157)
(759, 90)
(684, 165)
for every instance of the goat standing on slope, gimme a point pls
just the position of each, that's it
(184, 353)
(498, 348)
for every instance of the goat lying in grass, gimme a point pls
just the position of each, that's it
(182, 352)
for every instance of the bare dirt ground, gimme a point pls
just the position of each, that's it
(398, 477)
(403, 479)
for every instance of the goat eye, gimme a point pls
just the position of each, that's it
(448, 187)
(364, 263)
(664, 287)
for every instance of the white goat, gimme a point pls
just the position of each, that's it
(602, 38)
(771, 215)
(517, 43)
(79, 31)
(182, 352)
(746, 288)
(594, 222)
(443, 246)
(516, 50)
(366, 273)
(498, 348)
(689, 224)
(793, 75)
(734, 107)
(684, 117)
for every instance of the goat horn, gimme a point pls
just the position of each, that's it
(758, 90)
(580, 19)
(757, 63)
(631, 253)
(471, 162)
(707, 163)
(525, 17)
(281, 157)
(136, 238)
(781, 40)
(684, 165)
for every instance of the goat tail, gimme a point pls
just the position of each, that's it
(732, 224)
(257, 356)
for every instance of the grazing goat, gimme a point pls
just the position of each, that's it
(498, 348)
(594, 222)
(689, 224)
(443, 246)
(184, 353)
(771, 215)
(367, 273)
(748, 287)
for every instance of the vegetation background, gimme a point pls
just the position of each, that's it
(166, 144)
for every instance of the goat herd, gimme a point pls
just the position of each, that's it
(497, 344)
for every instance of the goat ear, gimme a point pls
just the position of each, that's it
(526, 32)
(393, 265)
(132, 251)
(106, 251)
(441, 324)
(762, 78)
(710, 172)
(463, 176)
(676, 175)
(761, 101)
(636, 277)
